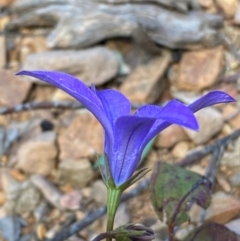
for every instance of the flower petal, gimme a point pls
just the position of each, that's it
(129, 134)
(173, 112)
(115, 104)
(211, 98)
(75, 88)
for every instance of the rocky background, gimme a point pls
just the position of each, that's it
(152, 52)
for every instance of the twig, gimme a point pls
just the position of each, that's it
(214, 164)
(212, 171)
(78, 226)
(40, 105)
(197, 155)
(46, 105)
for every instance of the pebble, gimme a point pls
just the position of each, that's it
(145, 84)
(171, 136)
(75, 172)
(122, 215)
(71, 201)
(206, 3)
(228, 6)
(198, 169)
(82, 138)
(60, 95)
(80, 63)
(99, 192)
(181, 149)
(210, 123)
(234, 226)
(21, 197)
(231, 156)
(2, 52)
(222, 181)
(184, 231)
(38, 155)
(237, 16)
(200, 69)
(235, 179)
(231, 114)
(2, 198)
(14, 89)
(47, 188)
(222, 209)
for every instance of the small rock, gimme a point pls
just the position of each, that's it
(200, 69)
(81, 63)
(82, 138)
(75, 172)
(234, 226)
(228, 6)
(145, 83)
(235, 122)
(99, 192)
(231, 156)
(235, 179)
(183, 231)
(38, 155)
(229, 110)
(171, 136)
(231, 113)
(21, 197)
(237, 16)
(206, 3)
(41, 231)
(10, 228)
(28, 199)
(60, 95)
(2, 52)
(4, 3)
(226, 130)
(222, 181)
(210, 123)
(181, 149)
(222, 209)
(198, 169)
(71, 200)
(17, 175)
(2, 198)
(186, 97)
(122, 215)
(13, 89)
(32, 44)
(49, 191)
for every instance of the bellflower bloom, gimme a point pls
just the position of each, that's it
(127, 134)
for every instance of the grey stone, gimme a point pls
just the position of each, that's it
(210, 123)
(235, 179)
(38, 155)
(99, 192)
(95, 65)
(231, 156)
(75, 172)
(21, 197)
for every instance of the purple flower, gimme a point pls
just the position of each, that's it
(126, 135)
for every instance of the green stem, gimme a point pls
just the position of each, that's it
(113, 200)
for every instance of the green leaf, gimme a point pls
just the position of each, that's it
(174, 189)
(99, 162)
(211, 232)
